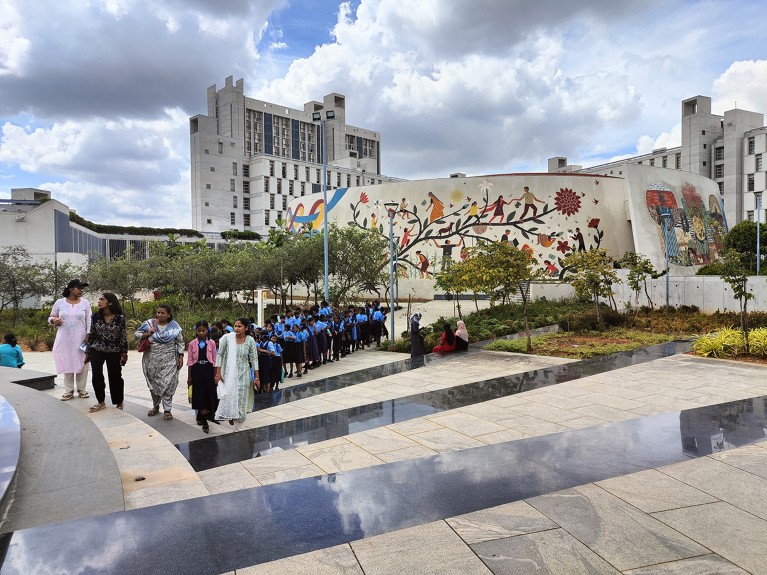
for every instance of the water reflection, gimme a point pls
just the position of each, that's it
(714, 428)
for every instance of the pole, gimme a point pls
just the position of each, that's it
(391, 275)
(665, 243)
(758, 226)
(325, 205)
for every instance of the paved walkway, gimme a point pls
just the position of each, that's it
(703, 516)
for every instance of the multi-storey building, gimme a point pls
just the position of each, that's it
(729, 149)
(250, 157)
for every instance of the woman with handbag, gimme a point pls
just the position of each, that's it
(163, 358)
(71, 316)
(237, 354)
(108, 343)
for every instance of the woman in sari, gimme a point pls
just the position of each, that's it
(163, 359)
(236, 356)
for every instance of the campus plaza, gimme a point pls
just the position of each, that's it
(650, 462)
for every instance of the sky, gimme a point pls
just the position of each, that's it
(96, 95)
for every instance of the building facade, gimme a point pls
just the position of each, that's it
(249, 158)
(728, 149)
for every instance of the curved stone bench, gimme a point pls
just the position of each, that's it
(10, 449)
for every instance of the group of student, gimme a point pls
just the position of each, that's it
(305, 339)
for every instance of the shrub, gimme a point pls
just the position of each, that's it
(508, 345)
(587, 320)
(727, 342)
(757, 341)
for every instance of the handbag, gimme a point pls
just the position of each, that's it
(143, 345)
(221, 391)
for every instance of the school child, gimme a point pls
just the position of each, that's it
(337, 331)
(275, 363)
(288, 350)
(201, 362)
(298, 348)
(378, 318)
(305, 335)
(313, 352)
(322, 344)
(264, 363)
(363, 328)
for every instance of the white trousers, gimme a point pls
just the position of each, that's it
(82, 380)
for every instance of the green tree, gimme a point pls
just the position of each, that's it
(640, 268)
(20, 278)
(742, 239)
(592, 275)
(735, 274)
(125, 276)
(356, 257)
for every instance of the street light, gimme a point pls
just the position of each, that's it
(665, 219)
(391, 272)
(758, 199)
(317, 117)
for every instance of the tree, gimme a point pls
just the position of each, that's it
(592, 275)
(125, 276)
(735, 274)
(640, 268)
(355, 257)
(742, 239)
(20, 278)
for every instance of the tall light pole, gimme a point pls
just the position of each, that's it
(391, 274)
(665, 219)
(317, 117)
(758, 198)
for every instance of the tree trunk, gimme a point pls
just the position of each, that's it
(527, 326)
(600, 323)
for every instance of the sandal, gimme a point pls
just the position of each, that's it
(67, 396)
(168, 416)
(98, 407)
(83, 394)
(154, 411)
(119, 406)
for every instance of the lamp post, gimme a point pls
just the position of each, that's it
(391, 273)
(317, 117)
(758, 199)
(666, 218)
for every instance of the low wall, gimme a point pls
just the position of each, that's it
(709, 293)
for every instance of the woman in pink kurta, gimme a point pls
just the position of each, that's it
(71, 315)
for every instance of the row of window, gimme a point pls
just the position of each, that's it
(246, 218)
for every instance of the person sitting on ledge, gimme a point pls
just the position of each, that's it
(461, 337)
(447, 344)
(10, 352)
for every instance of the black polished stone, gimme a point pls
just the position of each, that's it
(210, 452)
(233, 530)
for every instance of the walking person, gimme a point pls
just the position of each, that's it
(10, 352)
(71, 315)
(201, 362)
(236, 358)
(163, 359)
(108, 344)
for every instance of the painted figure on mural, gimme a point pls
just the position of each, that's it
(551, 269)
(447, 252)
(497, 208)
(423, 264)
(505, 236)
(436, 206)
(474, 211)
(406, 236)
(403, 208)
(529, 200)
(578, 237)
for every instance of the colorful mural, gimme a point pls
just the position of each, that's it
(692, 232)
(434, 227)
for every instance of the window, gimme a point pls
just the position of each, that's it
(207, 151)
(290, 187)
(209, 221)
(750, 215)
(279, 186)
(703, 132)
(719, 171)
(207, 204)
(271, 167)
(721, 187)
(704, 162)
(295, 172)
(348, 180)
(338, 179)
(678, 161)
(234, 168)
(231, 184)
(759, 163)
(232, 218)
(358, 181)
(705, 146)
(271, 201)
(652, 161)
(719, 153)
(751, 182)
(234, 202)
(266, 185)
(750, 145)
(212, 169)
(284, 202)
(246, 203)
(284, 170)
(306, 172)
(207, 186)
(266, 218)
(246, 220)
(245, 187)
(665, 161)
(245, 171)
(318, 176)
(221, 147)
(303, 188)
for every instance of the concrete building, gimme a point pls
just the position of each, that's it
(250, 157)
(727, 149)
(42, 225)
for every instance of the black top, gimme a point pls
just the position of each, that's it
(108, 337)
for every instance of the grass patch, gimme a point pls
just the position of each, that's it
(583, 345)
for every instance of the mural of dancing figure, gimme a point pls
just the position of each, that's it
(436, 206)
(529, 199)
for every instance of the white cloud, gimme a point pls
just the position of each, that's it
(744, 83)
(13, 45)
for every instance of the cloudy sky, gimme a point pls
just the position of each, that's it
(95, 95)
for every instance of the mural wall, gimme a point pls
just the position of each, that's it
(548, 215)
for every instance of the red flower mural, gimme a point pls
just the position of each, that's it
(364, 198)
(563, 246)
(594, 223)
(567, 202)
